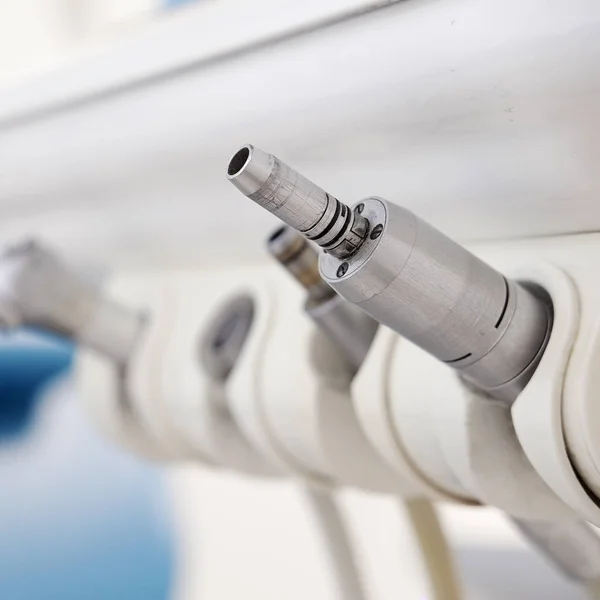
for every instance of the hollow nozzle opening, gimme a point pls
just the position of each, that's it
(238, 161)
(249, 169)
(284, 243)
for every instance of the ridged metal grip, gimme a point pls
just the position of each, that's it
(297, 201)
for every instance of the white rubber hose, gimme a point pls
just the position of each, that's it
(431, 542)
(434, 548)
(338, 543)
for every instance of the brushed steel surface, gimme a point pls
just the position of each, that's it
(297, 201)
(348, 326)
(301, 260)
(443, 298)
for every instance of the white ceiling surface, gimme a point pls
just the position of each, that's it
(480, 115)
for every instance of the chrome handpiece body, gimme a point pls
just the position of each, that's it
(38, 289)
(434, 292)
(411, 277)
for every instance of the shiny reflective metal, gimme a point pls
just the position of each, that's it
(301, 260)
(297, 201)
(38, 289)
(350, 328)
(440, 296)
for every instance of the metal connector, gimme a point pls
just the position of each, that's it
(38, 289)
(297, 201)
(411, 277)
(350, 328)
(301, 260)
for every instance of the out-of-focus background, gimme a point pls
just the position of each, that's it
(80, 518)
(38, 35)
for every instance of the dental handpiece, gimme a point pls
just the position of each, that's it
(39, 289)
(409, 276)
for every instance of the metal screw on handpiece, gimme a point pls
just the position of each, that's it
(342, 269)
(376, 231)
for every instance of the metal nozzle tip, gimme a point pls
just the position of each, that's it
(249, 168)
(301, 260)
(284, 243)
(297, 201)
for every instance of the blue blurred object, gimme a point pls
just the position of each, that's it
(80, 519)
(25, 368)
(177, 3)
